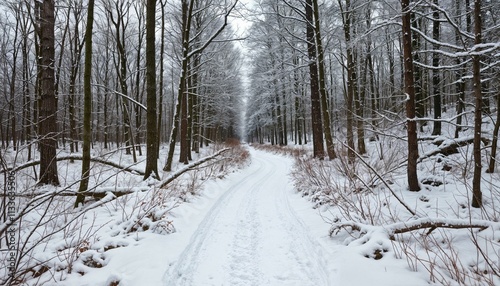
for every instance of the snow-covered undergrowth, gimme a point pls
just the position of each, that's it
(435, 230)
(52, 242)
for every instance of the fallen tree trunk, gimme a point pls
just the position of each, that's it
(75, 157)
(101, 192)
(423, 223)
(449, 146)
(97, 193)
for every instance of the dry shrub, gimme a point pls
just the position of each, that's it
(293, 151)
(332, 183)
(355, 193)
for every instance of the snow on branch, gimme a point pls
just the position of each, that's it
(212, 38)
(76, 157)
(189, 167)
(422, 223)
(449, 146)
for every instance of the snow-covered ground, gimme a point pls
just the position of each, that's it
(250, 228)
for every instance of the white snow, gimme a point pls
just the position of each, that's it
(250, 228)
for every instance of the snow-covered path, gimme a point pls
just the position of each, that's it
(252, 235)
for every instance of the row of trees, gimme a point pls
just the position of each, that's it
(120, 75)
(340, 69)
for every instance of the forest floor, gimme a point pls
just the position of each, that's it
(274, 217)
(250, 228)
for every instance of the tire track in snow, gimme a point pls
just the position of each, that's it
(306, 264)
(305, 246)
(244, 250)
(252, 236)
(183, 271)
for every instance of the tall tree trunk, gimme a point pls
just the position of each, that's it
(359, 101)
(351, 79)
(436, 77)
(162, 70)
(47, 123)
(106, 97)
(186, 20)
(418, 76)
(184, 145)
(122, 77)
(195, 101)
(190, 109)
(76, 52)
(413, 184)
(330, 150)
(139, 91)
(460, 83)
(27, 123)
(151, 129)
(317, 126)
(12, 109)
(494, 143)
(297, 107)
(477, 196)
(87, 107)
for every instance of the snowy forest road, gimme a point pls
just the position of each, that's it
(252, 235)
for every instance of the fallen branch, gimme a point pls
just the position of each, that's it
(97, 193)
(449, 146)
(422, 223)
(76, 157)
(189, 167)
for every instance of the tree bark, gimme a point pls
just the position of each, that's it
(494, 144)
(47, 123)
(186, 20)
(351, 80)
(436, 77)
(121, 67)
(87, 106)
(413, 183)
(477, 200)
(418, 77)
(460, 85)
(162, 69)
(317, 126)
(330, 150)
(151, 129)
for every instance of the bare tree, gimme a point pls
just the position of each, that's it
(47, 124)
(151, 132)
(477, 200)
(187, 54)
(436, 76)
(352, 78)
(317, 126)
(87, 106)
(322, 84)
(411, 123)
